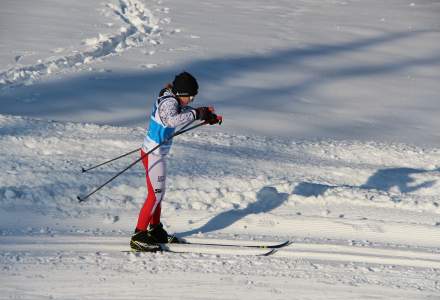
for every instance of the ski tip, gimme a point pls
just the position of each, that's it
(272, 251)
(286, 243)
(79, 199)
(83, 170)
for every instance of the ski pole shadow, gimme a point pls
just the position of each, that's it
(383, 180)
(268, 199)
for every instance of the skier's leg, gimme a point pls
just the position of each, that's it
(155, 178)
(156, 215)
(158, 179)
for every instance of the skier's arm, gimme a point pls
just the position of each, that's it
(171, 116)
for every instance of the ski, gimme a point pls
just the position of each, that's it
(185, 246)
(215, 249)
(168, 250)
(258, 246)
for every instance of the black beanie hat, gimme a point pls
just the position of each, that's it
(185, 84)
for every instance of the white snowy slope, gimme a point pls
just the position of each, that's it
(311, 69)
(330, 140)
(139, 27)
(364, 218)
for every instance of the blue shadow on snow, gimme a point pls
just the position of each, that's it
(268, 199)
(382, 180)
(110, 93)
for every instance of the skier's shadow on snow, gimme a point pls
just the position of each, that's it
(382, 180)
(268, 199)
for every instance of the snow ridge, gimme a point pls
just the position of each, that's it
(141, 27)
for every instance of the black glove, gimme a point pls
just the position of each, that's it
(214, 119)
(202, 113)
(207, 114)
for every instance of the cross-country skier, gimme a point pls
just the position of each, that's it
(170, 110)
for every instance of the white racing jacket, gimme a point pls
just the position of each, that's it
(167, 114)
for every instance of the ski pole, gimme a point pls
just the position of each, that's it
(123, 155)
(109, 161)
(81, 199)
(219, 121)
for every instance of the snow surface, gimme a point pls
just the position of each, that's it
(330, 140)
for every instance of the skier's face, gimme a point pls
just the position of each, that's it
(185, 100)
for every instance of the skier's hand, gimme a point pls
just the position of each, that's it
(203, 113)
(207, 114)
(214, 119)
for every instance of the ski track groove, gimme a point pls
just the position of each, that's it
(312, 252)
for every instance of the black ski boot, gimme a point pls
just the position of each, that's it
(160, 235)
(143, 241)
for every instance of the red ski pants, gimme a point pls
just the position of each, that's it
(155, 170)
